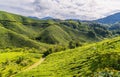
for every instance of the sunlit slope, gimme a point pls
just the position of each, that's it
(13, 17)
(98, 59)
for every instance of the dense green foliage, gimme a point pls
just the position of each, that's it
(95, 60)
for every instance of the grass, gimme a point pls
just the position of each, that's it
(12, 62)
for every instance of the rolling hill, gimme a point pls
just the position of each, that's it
(49, 31)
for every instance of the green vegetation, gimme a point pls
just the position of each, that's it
(24, 41)
(94, 60)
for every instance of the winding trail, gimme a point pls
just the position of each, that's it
(31, 67)
(34, 65)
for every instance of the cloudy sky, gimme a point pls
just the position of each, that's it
(63, 9)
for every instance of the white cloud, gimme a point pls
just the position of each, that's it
(80, 9)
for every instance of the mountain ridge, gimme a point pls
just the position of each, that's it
(111, 19)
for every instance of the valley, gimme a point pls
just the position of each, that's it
(32, 47)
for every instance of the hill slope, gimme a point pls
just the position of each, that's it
(62, 32)
(98, 59)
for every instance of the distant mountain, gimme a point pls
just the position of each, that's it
(110, 19)
(33, 17)
(47, 18)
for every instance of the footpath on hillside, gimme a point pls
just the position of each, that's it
(32, 66)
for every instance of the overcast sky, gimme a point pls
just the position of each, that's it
(76, 9)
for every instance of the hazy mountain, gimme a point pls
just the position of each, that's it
(110, 19)
(47, 18)
(33, 17)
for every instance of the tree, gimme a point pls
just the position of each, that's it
(72, 45)
(91, 34)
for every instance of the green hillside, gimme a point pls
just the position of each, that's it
(95, 60)
(27, 32)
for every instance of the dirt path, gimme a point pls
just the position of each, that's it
(32, 66)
